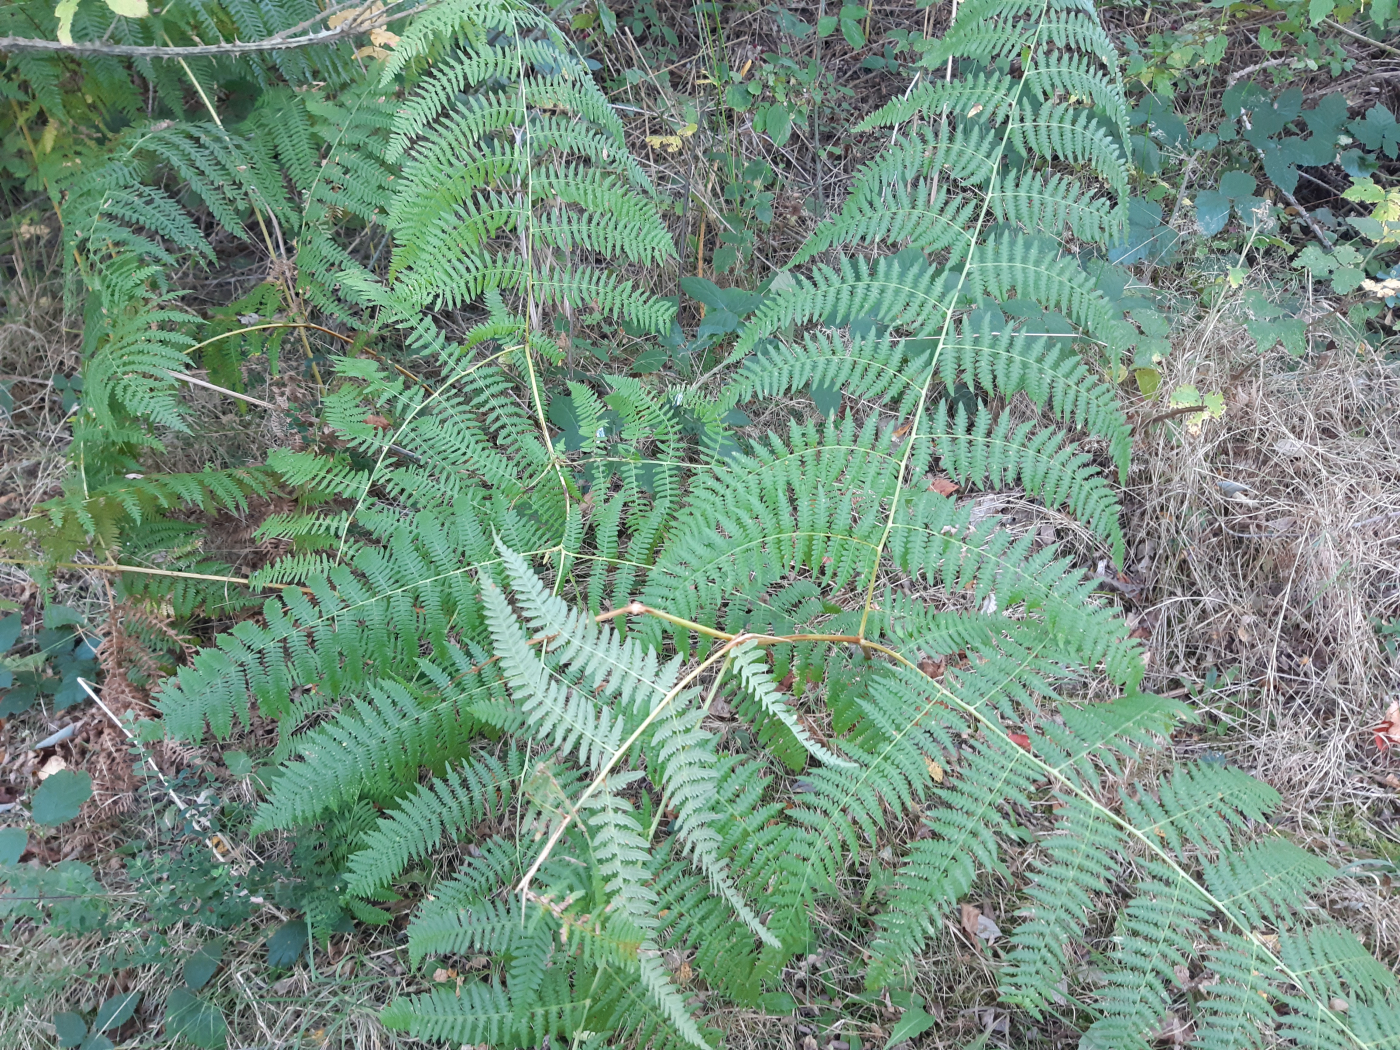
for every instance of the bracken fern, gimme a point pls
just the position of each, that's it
(530, 639)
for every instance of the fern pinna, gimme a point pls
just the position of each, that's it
(684, 690)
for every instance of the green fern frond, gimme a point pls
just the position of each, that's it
(979, 454)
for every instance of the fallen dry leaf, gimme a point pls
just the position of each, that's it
(52, 766)
(934, 769)
(1172, 1030)
(1021, 740)
(978, 926)
(943, 486)
(970, 915)
(1387, 731)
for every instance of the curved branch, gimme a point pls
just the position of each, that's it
(278, 42)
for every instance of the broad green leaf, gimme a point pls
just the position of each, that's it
(285, 946)
(1237, 184)
(116, 1011)
(60, 797)
(1347, 279)
(71, 1029)
(238, 762)
(605, 16)
(779, 124)
(12, 844)
(1148, 380)
(9, 631)
(827, 397)
(1212, 211)
(201, 1022)
(200, 966)
(916, 1021)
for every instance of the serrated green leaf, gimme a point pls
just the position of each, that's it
(202, 965)
(187, 1016)
(116, 1011)
(60, 797)
(71, 1029)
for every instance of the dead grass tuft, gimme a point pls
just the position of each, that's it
(1268, 544)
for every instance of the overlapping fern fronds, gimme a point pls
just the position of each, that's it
(672, 702)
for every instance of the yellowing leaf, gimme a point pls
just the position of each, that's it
(382, 37)
(64, 12)
(1184, 397)
(1212, 406)
(1148, 380)
(129, 8)
(670, 143)
(934, 770)
(359, 14)
(1364, 190)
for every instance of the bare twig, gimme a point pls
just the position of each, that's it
(1239, 74)
(1358, 37)
(284, 41)
(214, 840)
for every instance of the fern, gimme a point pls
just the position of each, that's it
(518, 589)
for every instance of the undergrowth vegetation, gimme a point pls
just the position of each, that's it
(460, 620)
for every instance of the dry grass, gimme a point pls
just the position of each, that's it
(1268, 543)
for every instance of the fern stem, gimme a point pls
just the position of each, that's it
(638, 609)
(389, 446)
(943, 334)
(722, 653)
(260, 327)
(993, 727)
(105, 567)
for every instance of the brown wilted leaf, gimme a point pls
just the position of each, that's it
(978, 926)
(933, 668)
(1172, 1030)
(944, 487)
(377, 421)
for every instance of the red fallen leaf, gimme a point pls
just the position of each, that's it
(943, 487)
(1387, 732)
(1020, 740)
